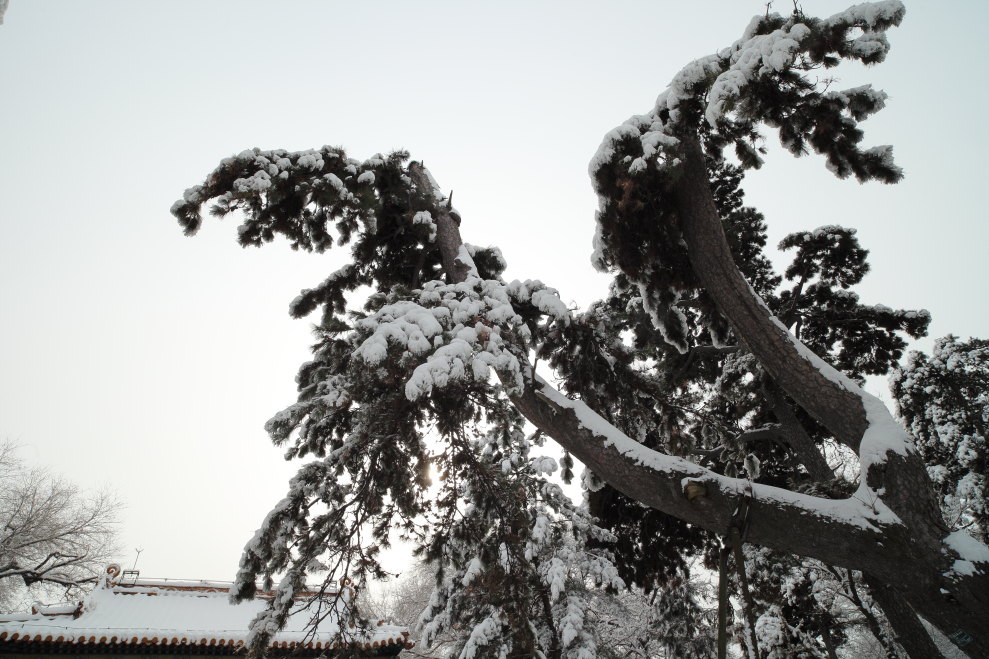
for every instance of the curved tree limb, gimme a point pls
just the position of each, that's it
(657, 480)
(837, 408)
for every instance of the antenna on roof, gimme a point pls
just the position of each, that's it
(129, 577)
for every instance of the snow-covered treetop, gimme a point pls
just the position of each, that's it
(726, 92)
(760, 80)
(420, 357)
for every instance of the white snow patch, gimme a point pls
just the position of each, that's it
(970, 552)
(425, 219)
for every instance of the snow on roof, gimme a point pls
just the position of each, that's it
(145, 612)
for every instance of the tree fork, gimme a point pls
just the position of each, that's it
(713, 511)
(796, 437)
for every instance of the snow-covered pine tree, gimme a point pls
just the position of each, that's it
(445, 345)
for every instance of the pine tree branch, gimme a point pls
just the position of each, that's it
(655, 479)
(692, 357)
(770, 433)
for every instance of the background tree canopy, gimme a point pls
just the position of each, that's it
(55, 539)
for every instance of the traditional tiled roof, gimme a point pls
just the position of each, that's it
(178, 617)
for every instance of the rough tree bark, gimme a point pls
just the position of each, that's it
(909, 630)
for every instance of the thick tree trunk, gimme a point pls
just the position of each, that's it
(872, 622)
(909, 630)
(917, 573)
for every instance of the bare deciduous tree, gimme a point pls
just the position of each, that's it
(53, 536)
(403, 602)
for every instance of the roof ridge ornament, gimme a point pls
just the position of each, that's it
(112, 576)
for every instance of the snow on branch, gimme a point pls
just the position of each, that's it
(862, 510)
(459, 329)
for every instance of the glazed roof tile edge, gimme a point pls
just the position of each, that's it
(165, 612)
(164, 641)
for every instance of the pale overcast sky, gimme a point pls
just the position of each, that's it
(135, 358)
